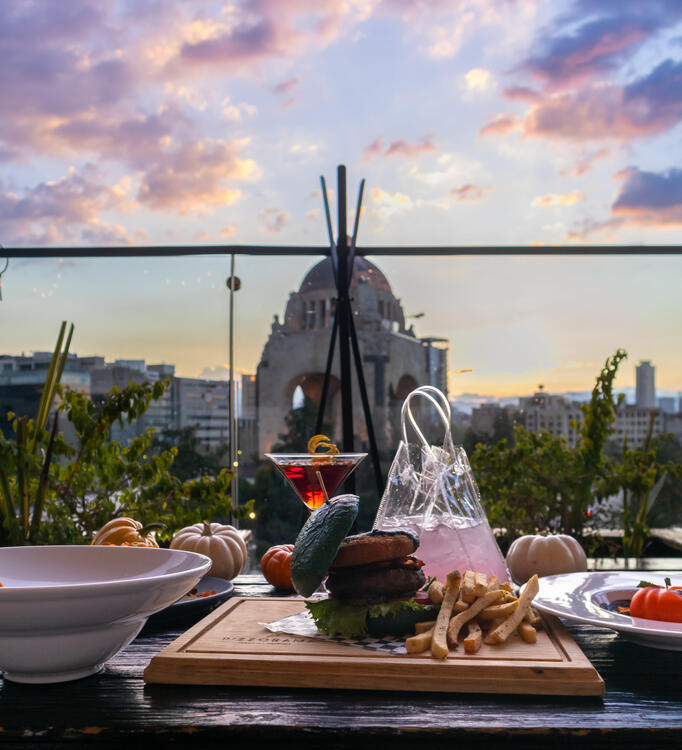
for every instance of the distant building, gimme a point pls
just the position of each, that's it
(188, 402)
(395, 360)
(557, 415)
(632, 423)
(563, 418)
(667, 404)
(672, 423)
(645, 385)
(486, 417)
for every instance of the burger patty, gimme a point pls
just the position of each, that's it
(378, 583)
(374, 546)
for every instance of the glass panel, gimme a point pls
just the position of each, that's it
(501, 334)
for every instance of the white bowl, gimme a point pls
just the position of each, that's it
(65, 610)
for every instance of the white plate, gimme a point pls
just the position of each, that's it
(585, 597)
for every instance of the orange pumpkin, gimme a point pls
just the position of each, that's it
(127, 532)
(276, 566)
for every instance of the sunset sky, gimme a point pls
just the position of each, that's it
(473, 121)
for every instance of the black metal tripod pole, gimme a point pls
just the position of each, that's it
(343, 313)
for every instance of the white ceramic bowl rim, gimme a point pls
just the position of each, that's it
(199, 564)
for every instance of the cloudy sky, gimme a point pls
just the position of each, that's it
(473, 121)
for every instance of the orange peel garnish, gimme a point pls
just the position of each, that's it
(321, 441)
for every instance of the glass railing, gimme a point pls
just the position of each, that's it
(513, 338)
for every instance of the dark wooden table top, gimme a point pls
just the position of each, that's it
(642, 707)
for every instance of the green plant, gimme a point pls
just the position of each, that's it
(26, 461)
(73, 488)
(639, 475)
(539, 483)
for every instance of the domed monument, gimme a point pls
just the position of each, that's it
(395, 360)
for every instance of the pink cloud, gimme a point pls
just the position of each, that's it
(603, 112)
(273, 219)
(399, 147)
(65, 210)
(646, 199)
(501, 125)
(585, 163)
(195, 176)
(285, 86)
(522, 94)
(591, 39)
(470, 192)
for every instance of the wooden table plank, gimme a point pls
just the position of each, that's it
(642, 707)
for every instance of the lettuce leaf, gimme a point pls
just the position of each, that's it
(336, 618)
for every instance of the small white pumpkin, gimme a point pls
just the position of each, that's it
(223, 544)
(546, 555)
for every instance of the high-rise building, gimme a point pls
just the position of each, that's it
(667, 404)
(645, 385)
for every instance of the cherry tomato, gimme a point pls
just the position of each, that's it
(658, 603)
(422, 597)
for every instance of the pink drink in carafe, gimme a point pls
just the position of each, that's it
(447, 547)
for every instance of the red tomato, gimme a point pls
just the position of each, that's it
(422, 597)
(658, 603)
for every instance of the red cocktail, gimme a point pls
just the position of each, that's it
(313, 476)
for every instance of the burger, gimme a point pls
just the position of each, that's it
(374, 587)
(373, 579)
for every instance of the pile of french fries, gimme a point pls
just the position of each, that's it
(475, 609)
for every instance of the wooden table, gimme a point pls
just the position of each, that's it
(642, 708)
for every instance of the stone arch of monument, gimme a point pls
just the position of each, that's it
(406, 384)
(311, 385)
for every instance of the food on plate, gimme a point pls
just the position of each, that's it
(436, 591)
(372, 577)
(276, 566)
(472, 643)
(439, 646)
(490, 618)
(546, 555)
(506, 628)
(653, 602)
(222, 543)
(194, 594)
(127, 532)
(373, 583)
(454, 626)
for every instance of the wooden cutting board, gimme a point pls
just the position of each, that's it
(230, 647)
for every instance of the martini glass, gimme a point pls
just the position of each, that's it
(315, 477)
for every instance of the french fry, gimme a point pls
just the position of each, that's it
(439, 646)
(480, 584)
(456, 623)
(503, 631)
(494, 624)
(506, 586)
(527, 632)
(415, 644)
(460, 606)
(436, 592)
(472, 643)
(468, 594)
(493, 583)
(532, 617)
(499, 610)
(423, 627)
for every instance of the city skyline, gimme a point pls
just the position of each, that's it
(464, 401)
